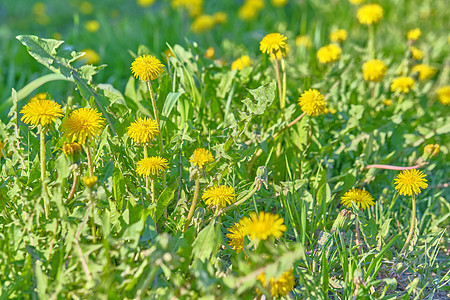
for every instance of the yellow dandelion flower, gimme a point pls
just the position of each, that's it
(280, 54)
(402, 84)
(145, 3)
(209, 54)
(221, 196)
(273, 43)
(201, 157)
(41, 111)
(70, 149)
(416, 53)
(90, 181)
(303, 40)
(241, 62)
(281, 286)
(425, 72)
(387, 102)
(203, 23)
(431, 150)
(374, 70)
(92, 26)
(279, 3)
(143, 130)
(151, 166)
(220, 17)
(194, 7)
(236, 237)
(86, 7)
(146, 67)
(90, 57)
(370, 14)
(329, 53)
(444, 95)
(312, 102)
(262, 226)
(356, 2)
(414, 34)
(361, 198)
(409, 182)
(82, 124)
(247, 12)
(339, 35)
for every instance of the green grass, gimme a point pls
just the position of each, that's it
(139, 249)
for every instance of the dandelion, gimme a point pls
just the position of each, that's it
(221, 196)
(444, 95)
(312, 102)
(416, 53)
(247, 13)
(370, 14)
(303, 40)
(146, 67)
(339, 35)
(374, 70)
(329, 53)
(387, 102)
(413, 34)
(241, 62)
(151, 166)
(41, 112)
(145, 3)
(279, 3)
(90, 57)
(273, 43)
(143, 130)
(201, 157)
(86, 7)
(220, 17)
(262, 226)
(236, 237)
(194, 7)
(203, 23)
(92, 26)
(89, 182)
(402, 84)
(209, 54)
(83, 124)
(71, 149)
(281, 286)
(409, 182)
(431, 150)
(425, 72)
(356, 2)
(278, 55)
(361, 198)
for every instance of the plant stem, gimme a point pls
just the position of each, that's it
(152, 187)
(245, 198)
(280, 87)
(358, 242)
(155, 112)
(147, 180)
(413, 224)
(74, 185)
(389, 167)
(371, 45)
(89, 157)
(194, 203)
(43, 171)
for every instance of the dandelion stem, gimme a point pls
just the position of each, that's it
(43, 171)
(74, 185)
(194, 203)
(371, 45)
(155, 112)
(413, 224)
(358, 241)
(152, 188)
(147, 180)
(243, 199)
(389, 167)
(280, 87)
(89, 157)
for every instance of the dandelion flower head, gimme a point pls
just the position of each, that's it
(90, 181)
(339, 35)
(143, 130)
(416, 53)
(431, 150)
(194, 7)
(146, 67)
(151, 166)
(425, 72)
(279, 3)
(303, 40)
(273, 43)
(82, 124)
(86, 7)
(361, 198)
(241, 62)
(312, 102)
(329, 53)
(90, 57)
(262, 226)
(236, 237)
(444, 95)
(370, 14)
(70, 149)
(281, 286)
(413, 34)
(220, 17)
(374, 70)
(92, 26)
(209, 53)
(387, 102)
(203, 23)
(402, 84)
(220, 195)
(201, 157)
(145, 3)
(356, 2)
(409, 182)
(40, 111)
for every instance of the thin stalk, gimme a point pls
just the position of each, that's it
(89, 157)
(152, 188)
(358, 241)
(74, 185)
(412, 226)
(155, 112)
(371, 45)
(280, 87)
(245, 198)
(147, 180)
(389, 167)
(92, 204)
(283, 70)
(193, 204)
(43, 172)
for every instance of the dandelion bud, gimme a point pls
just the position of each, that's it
(89, 182)
(431, 150)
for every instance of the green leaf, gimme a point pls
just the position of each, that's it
(207, 243)
(169, 104)
(264, 96)
(376, 262)
(165, 198)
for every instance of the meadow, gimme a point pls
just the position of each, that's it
(242, 149)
